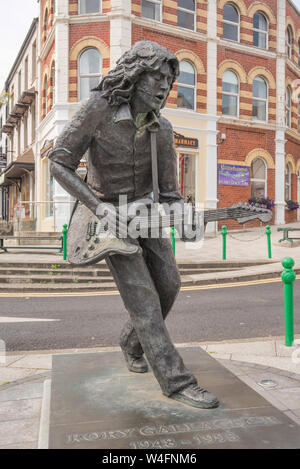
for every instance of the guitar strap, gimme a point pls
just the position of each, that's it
(154, 166)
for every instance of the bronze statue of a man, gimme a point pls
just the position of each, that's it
(115, 124)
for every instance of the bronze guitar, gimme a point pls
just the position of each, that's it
(89, 242)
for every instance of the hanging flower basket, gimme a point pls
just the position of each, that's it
(291, 205)
(264, 202)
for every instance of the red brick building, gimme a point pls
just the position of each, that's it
(235, 101)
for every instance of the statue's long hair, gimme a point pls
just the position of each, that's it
(144, 56)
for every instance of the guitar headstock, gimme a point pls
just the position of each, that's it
(247, 212)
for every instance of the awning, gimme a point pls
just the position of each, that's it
(16, 169)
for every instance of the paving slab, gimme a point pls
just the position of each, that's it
(19, 431)
(20, 409)
(97, 403)
(260, 348)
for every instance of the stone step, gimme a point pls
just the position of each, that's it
(43, 279)
(100, 272)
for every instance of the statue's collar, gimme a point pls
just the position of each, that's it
(123, 114)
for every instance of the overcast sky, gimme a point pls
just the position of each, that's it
(16, 18)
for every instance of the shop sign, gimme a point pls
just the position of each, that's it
(233, 175)
(182, 141)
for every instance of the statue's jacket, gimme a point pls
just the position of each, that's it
(118, 152)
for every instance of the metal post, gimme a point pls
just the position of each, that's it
(173, 231)
(288, 276)
(64, 234)
(224, 233)
(268, 233)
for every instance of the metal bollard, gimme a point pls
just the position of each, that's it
(268, 233)
(224, 234)
(64, 234)
(288, 276)
(173, 231)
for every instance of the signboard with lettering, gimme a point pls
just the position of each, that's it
(182, 141)
(233, 175)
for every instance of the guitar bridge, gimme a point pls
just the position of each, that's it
(91, 230)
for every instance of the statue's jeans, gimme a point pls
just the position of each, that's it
(148, 284)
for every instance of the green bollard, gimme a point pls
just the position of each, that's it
(224, 233)
(64, 234)
(288, 276)
(173, 231)
(268, 233)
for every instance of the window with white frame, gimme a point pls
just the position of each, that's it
(45, 96)
(89, 71)
(230, 94)
(89, 6)
(231, 23)
(289, 42)
(259, 99)
(258, 172)
(52, 84)
(152, 9)
(260, 31)
(46, 21)
(288, 107)
(186, 14)
(288, 182)
(186, 85)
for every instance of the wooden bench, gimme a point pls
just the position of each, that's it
(5, 247)
(286, 236)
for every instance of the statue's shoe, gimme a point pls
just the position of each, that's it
(195, 396)
(135, 364)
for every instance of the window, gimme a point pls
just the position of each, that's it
(33, 63)
(289, 42)
(260, 99)
(46, 25)
(288, 107)
(258, 173)
(231, 23)
(299, 116)
(90, 67)
(52, 84)
(25, 120)
(48, 185)
(19, 84)
(230, 94)
(186, 85)
(45, 97)
(288, 182)
(26, 74)
(187, 176)
(260, 31)
(299, 52)
(89, 6)
(186, 14)
(151, 9)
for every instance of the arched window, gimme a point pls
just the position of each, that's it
(52, 84)
(89, 68)
(259, 99)
(89, 6)
(186, 14)
(152, 9)
(186, 85)
(46, 23)
(260, 30)
(258, 178)
(289, 42)
(231, 22)
(230, 94)
(288, 107)
(45, 96)
(288, 182)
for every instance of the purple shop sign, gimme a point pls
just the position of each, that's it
(233, 175)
